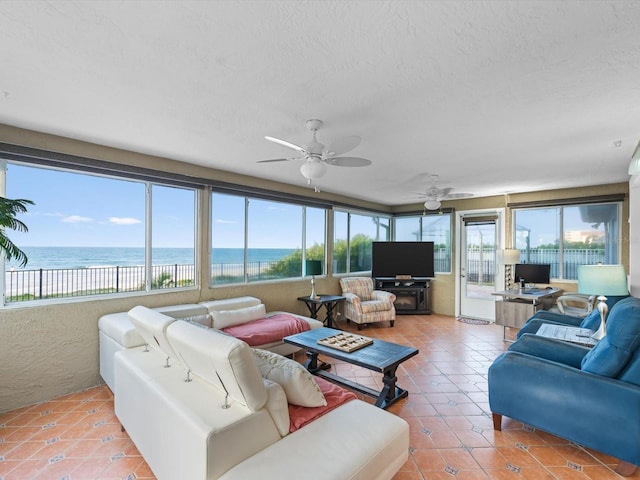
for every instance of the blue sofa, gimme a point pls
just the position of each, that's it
(591, 321)
(588, 396)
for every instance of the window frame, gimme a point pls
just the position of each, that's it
(349, 212)
(147, 185)
(247, 199)
(420, 217)
(560, 206)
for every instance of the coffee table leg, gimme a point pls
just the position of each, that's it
(390, 392)
(312, 363)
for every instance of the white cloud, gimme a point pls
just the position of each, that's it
(225, 221)
(76, 219)
(124, 220)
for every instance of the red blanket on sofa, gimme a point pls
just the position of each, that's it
(268, 330)
(333, 394)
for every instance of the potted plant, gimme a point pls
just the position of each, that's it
(9, 210)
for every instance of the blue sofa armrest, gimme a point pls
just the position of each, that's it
(558, 317)
(595, 411)
(549, 349)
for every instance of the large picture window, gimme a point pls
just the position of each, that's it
(256, 240)
(568, 236)
(434, 228)
(353, 236)
(88, 235)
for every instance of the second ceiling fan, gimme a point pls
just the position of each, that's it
(317, 156)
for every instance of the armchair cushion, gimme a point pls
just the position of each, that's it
(362, 287)
(375, 306)
(614, 351)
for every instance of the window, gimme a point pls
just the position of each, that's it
(173, 237)
(88, 235)
(434, 228)
(568, 236)
(254, 239)
(353, 235)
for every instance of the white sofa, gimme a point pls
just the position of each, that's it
(116, 332)
(183, 430)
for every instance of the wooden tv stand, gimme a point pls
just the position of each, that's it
(413, 295)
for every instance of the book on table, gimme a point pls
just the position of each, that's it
(581, 336)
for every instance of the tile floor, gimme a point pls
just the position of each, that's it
(78, 437)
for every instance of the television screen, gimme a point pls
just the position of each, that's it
(390, 259)
(533, 272)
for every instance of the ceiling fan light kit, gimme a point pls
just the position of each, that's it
(435, 195)
(317, 156)
(432, 204)
(313, 169)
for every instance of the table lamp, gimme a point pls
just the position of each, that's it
(509, 257)
(602, 280)
(313, 268)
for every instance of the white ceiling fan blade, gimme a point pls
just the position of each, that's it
(348, 161)
(343, 145)
(284, 143)
(451, 196)
(277, 160)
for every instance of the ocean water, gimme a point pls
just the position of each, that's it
(86, 257)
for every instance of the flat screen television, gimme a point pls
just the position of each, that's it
(389, 259)
(538, 273)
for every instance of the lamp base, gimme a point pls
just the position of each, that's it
(603, 309)
(313, 295)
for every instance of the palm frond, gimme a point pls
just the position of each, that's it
(8, 210)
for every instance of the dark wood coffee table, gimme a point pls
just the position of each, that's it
(380, 356)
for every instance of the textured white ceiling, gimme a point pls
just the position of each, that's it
(493, 96)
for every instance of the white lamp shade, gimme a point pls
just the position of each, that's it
(510, 256)
(602, 280)
(313, 169)
(432, 204)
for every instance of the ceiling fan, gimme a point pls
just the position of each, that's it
(317, 156)
(435, 195)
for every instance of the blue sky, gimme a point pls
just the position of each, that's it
(84, 210)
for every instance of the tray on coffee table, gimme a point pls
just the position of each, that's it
(347, 342)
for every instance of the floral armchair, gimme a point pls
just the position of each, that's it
(364, 304)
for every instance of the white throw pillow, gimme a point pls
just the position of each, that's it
(299, 385)
(229, 318)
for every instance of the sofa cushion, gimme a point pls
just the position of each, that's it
(228, 318)
(153, 325)
(118, 327)
(631, 374)
(202, 320)
(613, 352)
(183, 310)
(591, 321)
(230, 303)
(267, 330)
(298, 384)
(220, 359)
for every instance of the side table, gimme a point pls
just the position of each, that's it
(330, 303)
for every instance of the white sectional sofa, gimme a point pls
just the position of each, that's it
(116, 332)
(212, 415)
